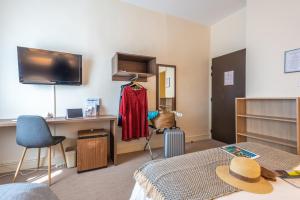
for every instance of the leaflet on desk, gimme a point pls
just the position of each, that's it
(92, 108)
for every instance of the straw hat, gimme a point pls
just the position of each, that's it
(245, 174)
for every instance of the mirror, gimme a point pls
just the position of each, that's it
(166, 87)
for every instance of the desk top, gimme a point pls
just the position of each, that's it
(62, 120)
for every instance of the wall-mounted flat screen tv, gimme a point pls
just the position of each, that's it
(37, 66)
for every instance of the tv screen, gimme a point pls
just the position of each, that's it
(37, 66)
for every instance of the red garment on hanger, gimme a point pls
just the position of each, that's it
(134, 111)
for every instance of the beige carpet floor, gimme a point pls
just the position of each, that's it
(113, 182)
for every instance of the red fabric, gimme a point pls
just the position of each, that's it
(134, 111)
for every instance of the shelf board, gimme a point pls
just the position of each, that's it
(270, 139)
(132, 74)
(268, 98)
(127, 76)
(134, 57)
(281, 119)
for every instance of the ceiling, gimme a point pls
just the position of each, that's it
(206, 12)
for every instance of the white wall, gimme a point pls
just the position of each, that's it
(97, 29)
(170, 74)
(229, 34)
(272, 28)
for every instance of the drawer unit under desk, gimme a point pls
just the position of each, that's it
(91, 149)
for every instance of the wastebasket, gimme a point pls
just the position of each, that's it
(71, 157)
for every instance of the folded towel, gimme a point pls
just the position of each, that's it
(152, 114)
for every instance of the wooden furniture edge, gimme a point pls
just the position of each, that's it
(298, 124)
(61, 120)
(271, 139)
(268, 98)
(272, 118)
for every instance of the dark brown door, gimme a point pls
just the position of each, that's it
(228, 82)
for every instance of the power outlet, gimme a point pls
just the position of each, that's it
(298, 83)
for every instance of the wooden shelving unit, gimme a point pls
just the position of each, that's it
(127, 66)
(272, 121)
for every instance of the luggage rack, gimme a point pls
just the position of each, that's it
(159, 131)
(148, 139)
(155, 130)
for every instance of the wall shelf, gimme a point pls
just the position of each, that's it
(270, 139)
(281, 119)
(127, 66)
(272, 121)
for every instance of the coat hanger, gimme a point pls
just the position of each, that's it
(134, 83)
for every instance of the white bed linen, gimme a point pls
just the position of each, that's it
(282, 191)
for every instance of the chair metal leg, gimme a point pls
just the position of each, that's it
(148, 143)
(39, 157)
(148, 140)
(49, 165)
(151, 154)
(63, 152)
(20, 164)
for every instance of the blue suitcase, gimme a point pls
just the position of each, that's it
(174, 142)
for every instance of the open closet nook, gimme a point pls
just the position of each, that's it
(133, 105)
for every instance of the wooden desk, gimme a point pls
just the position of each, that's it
(61, 120)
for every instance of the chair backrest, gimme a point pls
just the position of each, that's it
(33, 132)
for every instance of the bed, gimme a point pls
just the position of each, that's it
(192, 176)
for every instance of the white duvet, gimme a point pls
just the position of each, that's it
(282, 191)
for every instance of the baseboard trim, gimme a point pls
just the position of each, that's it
(194, 138)
(29, 164)
(140, 146)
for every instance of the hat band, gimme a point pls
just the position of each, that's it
(244, 178)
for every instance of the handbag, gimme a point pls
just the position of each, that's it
(165, 119)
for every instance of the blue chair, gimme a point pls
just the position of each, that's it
(34, 132)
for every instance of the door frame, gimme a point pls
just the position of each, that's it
(211, 87)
